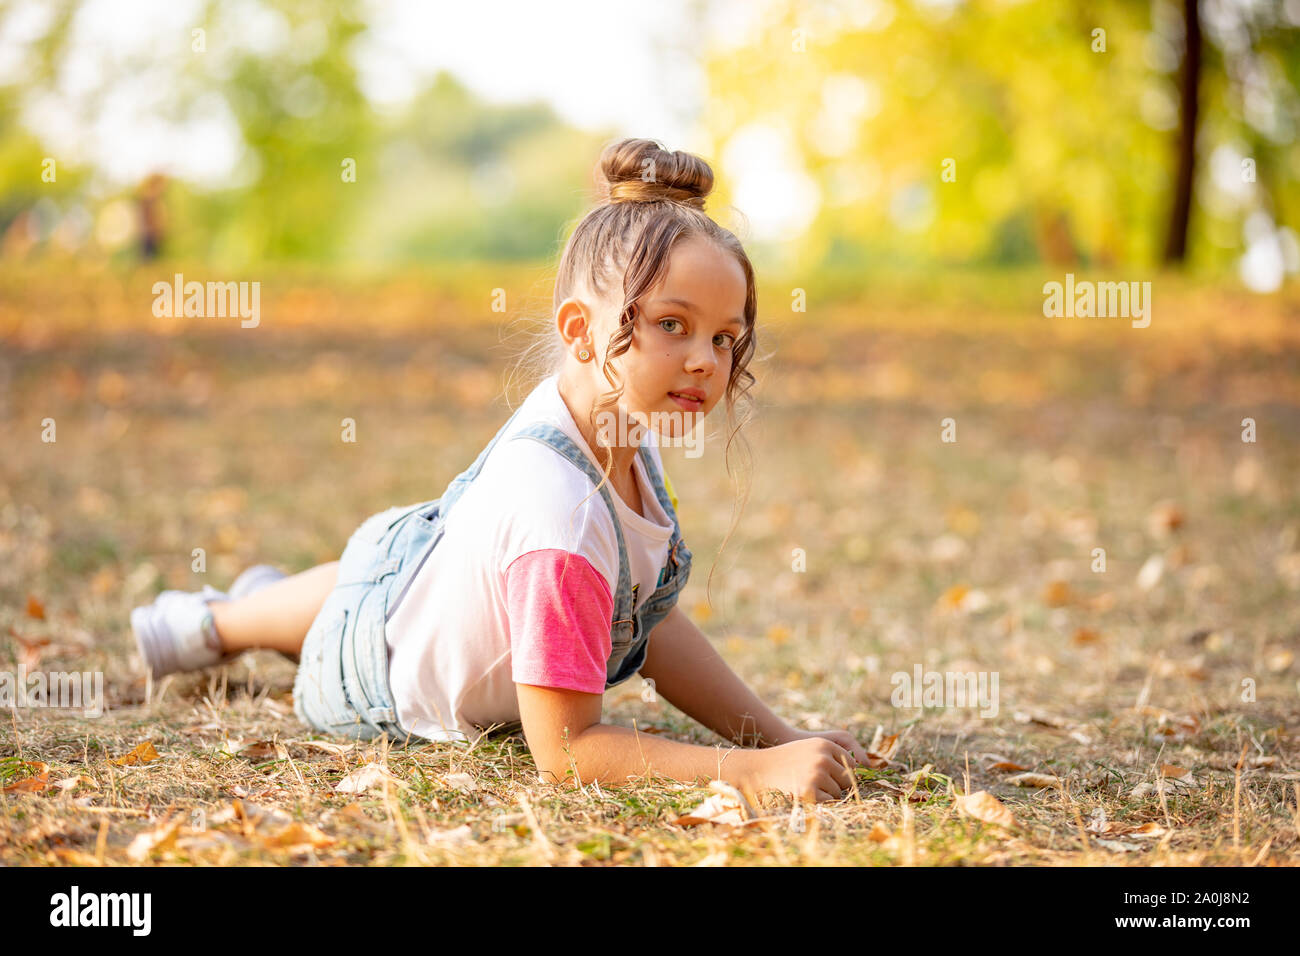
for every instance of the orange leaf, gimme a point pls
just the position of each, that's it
(952, 597)
(35, 608)
(881, 752)
(1084, 635)
(34, 784)
(298, 838)
(141, 754)
(1057, 594)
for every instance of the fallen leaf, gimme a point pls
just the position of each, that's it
(1033, 780)
(70, 783)
(880, 754)
(249, 816)
(1039, 717)
(259, 750)
(1150, 573)
(33, 784)
(727, 807)
(953, 597)
(1145, 831)
(364, 778)
(298, 837)
(1057, 594)
(1084, 636)
(986, 808)
(141, 754)
(460, 781)
(1006, 766)
(74, 857)
(1169, 770)
(1117, 846)
(1163, 519)
(201, 728)
(154, 841)
(879, 833)
(459, 836)
(1280, 661)
(35, 608)
(779, 634)
(324, 745)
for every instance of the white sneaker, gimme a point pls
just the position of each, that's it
(176, 632)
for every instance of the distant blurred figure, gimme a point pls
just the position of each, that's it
(153, 216)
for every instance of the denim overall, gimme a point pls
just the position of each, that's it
(342, 685)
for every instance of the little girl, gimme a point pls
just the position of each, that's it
(549, 570)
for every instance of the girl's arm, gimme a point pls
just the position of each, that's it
(694, 678)
(564, 734)
(564, 731)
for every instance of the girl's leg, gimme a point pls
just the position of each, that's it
(276, 617)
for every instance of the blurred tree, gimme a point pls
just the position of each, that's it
(967, 132)
(1189, 86)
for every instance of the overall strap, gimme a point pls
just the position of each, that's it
(661, 492)
(550, 435)
(462, 481)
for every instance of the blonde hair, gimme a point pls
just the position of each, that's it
(649, 199)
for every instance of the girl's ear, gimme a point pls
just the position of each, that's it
(573, 321)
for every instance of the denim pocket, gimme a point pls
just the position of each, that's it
(622, 634)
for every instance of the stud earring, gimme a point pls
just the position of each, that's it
(584, 355)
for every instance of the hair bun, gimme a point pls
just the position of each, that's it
(640, 170)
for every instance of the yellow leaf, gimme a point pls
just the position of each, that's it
(778, 634)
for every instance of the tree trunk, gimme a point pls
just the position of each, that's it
(1188, 104)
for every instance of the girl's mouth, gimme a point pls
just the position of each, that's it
(687, 402)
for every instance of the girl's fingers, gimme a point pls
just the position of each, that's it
(834, 782)
(847, 741)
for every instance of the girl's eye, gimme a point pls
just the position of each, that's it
(673, 321)
(731, 339)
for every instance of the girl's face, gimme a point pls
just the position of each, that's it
(679, 361)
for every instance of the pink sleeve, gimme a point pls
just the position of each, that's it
(560, 609)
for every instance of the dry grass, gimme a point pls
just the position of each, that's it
(969, 556)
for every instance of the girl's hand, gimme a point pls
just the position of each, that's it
(841, 737)
(810, 769)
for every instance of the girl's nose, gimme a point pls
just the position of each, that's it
(702, 359)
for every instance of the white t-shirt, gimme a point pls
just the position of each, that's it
(520, 587)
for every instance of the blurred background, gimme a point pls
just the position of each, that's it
(1109, 133)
